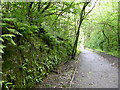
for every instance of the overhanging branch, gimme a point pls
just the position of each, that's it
(91, 9)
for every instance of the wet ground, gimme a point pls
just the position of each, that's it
(90, 70)
(96, 70)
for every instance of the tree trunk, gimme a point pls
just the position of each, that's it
(108, 41)
(119, 28)
(78, 31)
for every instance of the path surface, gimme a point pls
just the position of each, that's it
(62, 78)
(96, 71)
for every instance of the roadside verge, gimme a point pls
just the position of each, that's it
(61, 77)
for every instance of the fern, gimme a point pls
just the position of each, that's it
(14, 31)
(9, 19)
(9, 38)
(1, 48)
(8, 35)
(9, 24)
(3, 24)
(1, 39)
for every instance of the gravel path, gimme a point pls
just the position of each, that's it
(61, 77)
(96, 71)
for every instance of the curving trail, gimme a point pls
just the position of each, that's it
(96, 71)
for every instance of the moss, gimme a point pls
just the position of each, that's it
(30, 62)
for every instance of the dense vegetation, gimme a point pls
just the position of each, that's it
(37, 36)
(101, 29)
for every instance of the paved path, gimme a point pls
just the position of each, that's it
(96, 71)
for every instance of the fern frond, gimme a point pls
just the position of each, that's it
(14, 31)
(1, 39)
(1, 51)
(9, 38)
(3, 24)
(8, 35)
(2, 46)
(9, 19)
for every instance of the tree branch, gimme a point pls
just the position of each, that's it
(62, 11)
(46, 7)
(91, 8)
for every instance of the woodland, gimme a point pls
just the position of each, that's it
(38, 36)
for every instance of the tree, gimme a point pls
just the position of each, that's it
(101, 28)
(82, 16)
(119, 28)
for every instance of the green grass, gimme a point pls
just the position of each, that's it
(113, 53)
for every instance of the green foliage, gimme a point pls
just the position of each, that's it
(37, 36)
(34, 41)
(102, 33)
